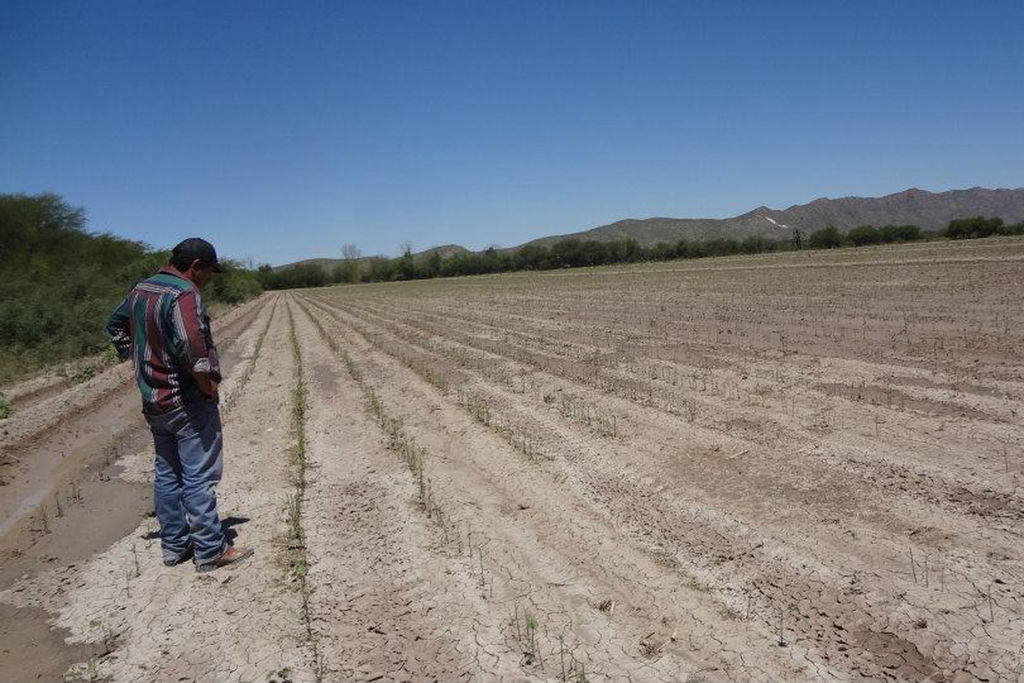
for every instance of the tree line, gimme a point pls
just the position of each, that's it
(574, 253)
(60, 282)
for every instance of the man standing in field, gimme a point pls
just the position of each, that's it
(162, 324)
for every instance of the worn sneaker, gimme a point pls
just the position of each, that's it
(232, 555)
(173, 560)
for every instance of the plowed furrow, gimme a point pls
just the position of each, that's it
(935, 474)
(555, 554)
(772, 590)
(549, 553)
(170, 622)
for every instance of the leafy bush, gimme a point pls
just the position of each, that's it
(83, 374)
(826, 238)
(970, 228)
(109, 355)
(61, 282)
(1014, 229)
(864, 234)
(900, 233)
(234, 285)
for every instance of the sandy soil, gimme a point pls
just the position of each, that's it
(67, 500)
(46, 444)
(790, 467)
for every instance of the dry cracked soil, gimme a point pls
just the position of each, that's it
(785, 467)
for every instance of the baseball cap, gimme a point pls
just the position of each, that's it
(197, 248)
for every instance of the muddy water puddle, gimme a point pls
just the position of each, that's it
(65, 503)
(56, 460)
(92, 440)
(29, 643)
(101, 509)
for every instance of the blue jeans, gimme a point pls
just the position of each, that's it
(188, 445)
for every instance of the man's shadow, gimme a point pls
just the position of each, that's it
(228, 524)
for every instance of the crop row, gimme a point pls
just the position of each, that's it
(394, 340)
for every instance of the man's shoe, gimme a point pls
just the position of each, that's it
(173, 560)
(232, 555)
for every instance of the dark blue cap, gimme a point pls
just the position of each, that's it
(196, 248)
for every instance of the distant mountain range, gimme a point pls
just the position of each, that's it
(927, 210)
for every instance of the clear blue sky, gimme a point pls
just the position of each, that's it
(282, 130)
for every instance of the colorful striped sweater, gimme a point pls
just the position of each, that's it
(163, 326)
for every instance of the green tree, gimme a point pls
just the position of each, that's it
(864, 234)
(61, 281)
(405, 269)
(431, 265)
(381, 269)
(970, 228)
(900, 233)
(349, 270)
(826, 238)
(1011, 229)
(530, 257)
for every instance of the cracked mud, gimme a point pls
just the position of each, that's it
(755, 470)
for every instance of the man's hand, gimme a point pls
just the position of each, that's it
(206, 385)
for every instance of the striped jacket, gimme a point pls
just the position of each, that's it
(163, 326)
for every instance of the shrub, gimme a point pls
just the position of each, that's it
(305, 275)
(970, 228)
(864, 234)
(234, 285)
(826, 238)
(1013, 229)
(900, 233)
(61, 282)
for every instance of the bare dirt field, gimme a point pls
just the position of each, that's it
(798, 466)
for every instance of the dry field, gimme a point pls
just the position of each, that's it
(784, 467)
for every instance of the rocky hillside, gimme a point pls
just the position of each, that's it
(927, 210)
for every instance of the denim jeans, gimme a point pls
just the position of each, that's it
(188, 468)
